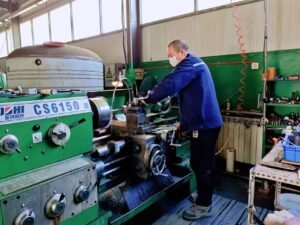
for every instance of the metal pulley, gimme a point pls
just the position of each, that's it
(101, 112)
(59, 134)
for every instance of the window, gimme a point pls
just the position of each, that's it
(61, 24)
(111, 15)
(26, 34)
(3, 44)
(204, 4)
(86, 24)
(152, 10)
(9, 39)
(41, 29)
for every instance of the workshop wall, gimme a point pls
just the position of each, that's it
(226, 74)
(213, 33)
(109, 47)
(212, 36)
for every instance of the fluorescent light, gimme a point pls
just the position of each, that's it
(41, 2)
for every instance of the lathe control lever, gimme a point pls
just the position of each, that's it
(27, 217)
(82, 194)
(59, 134)
(55, 206)
(77, 123)
(9, 144)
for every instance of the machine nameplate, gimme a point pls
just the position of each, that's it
(22, 182)
(34, 110)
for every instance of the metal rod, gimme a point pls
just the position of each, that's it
(115, 161)
(209, 64)
(251, 192)
(100, 138)
(265, 57)
(116, 110)
(110, 171)
(242, 112)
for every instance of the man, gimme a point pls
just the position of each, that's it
(199, 115)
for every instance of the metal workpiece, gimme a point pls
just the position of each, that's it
(110, 149)
(59, 67)
(102, 114)
(103, 168)
(56, 192)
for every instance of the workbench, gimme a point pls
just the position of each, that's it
(269, 169)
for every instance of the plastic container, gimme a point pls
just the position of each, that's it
(291, 152)
(271, 73)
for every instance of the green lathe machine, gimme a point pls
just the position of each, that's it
(63, 159)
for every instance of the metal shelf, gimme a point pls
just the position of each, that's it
(283, 105)
(281, 80)
(275, 127)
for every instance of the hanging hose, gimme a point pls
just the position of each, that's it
(243, 52)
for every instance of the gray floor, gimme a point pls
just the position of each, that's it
(230, 202)
(225, 212)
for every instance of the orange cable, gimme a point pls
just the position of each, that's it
(244, 55)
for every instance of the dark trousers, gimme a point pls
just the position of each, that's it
(203, 163)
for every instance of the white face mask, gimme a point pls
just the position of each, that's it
(173, 61)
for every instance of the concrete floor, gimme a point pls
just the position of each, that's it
(227, 186)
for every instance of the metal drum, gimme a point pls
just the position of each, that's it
(101, 112)
(54, 65)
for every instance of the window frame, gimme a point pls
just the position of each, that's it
(70, 2)
(48, 25)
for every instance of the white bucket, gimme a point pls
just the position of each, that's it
(230, 157)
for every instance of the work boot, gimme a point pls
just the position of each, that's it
(196, 212)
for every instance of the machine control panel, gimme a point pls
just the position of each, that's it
(47, 195)
(9, 144)
(26, 217)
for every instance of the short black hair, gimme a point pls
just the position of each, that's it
(177, 45)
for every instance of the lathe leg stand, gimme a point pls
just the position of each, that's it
(277, 193)
(251, 192)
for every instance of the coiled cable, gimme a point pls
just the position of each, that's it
(244, 55)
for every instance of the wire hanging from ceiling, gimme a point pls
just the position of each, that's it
(241, 43)
(123, 33)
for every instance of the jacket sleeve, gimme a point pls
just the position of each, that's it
(171, 85)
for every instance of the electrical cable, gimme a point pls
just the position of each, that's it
(265, 50)
(128, 89)
(123, 33)
(244, 55)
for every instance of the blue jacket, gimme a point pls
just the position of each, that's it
(192, 82)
